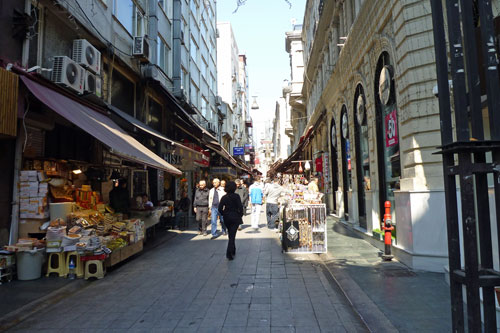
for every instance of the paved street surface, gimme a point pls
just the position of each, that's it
(187, 285)
(386, 293)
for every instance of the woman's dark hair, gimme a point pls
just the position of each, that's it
(230, 187)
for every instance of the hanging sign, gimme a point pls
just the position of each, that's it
(238, 151)
(391, 129)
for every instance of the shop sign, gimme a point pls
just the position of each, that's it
(326, 172)
(391, 129)
(223, 171)
(319, 164)
(238, 151)
(205, 157)
(173, 159)
(385, 85)
(248, 147)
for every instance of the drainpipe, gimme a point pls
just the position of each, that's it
(177, 48)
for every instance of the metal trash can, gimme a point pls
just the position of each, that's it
(29, 264)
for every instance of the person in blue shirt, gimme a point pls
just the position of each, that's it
(256, 194)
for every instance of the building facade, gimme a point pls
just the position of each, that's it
(149, 66)
(368, 85)
(232, 78)
(296, 118)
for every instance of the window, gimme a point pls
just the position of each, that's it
(163, 59)
(204, 107)
(155, 119)
(193, 50)
(194, 93)
(122, 93)
(167, 6)
(130, 16)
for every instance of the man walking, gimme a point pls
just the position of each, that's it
(216, 193)
(242, 191)
(256, 193)
(200, 204)
(272, 193)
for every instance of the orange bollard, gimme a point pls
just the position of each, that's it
(387, 227)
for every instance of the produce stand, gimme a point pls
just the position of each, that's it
(304, 228)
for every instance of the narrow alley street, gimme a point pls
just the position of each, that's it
(187, 285)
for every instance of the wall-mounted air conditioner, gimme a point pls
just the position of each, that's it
(218, 100)
(92, 84)
(140, 49)
(68, 73)
(87, 55)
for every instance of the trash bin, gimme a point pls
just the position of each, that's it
(29, 264)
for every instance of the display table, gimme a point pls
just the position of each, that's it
(304, 228)
(123, 253)
(150, 217)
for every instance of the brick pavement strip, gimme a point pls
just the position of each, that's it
(187, 285)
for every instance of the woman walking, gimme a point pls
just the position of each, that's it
(232, 211)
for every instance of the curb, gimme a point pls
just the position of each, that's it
(369, 313)
(17, 316)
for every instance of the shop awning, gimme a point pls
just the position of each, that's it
(145, 128)
(99, 126)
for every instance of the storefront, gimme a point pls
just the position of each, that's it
(81, 180)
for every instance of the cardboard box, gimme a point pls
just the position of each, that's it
(27, 226)
(40, 175)
(43, 215)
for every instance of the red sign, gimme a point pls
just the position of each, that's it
(391, 129)
(205, 161)
(319, 164)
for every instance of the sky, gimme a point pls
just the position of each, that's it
(259, 28)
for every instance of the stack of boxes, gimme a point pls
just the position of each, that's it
(34, 209)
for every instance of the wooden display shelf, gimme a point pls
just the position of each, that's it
(123, 253)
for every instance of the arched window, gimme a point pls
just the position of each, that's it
(389, 166)
(346, 158)
(362, 152)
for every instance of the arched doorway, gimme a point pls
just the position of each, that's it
(362, 152)
(334, 163)
(389, 165)
(346, 159)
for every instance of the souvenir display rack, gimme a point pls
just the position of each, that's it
(304, 228)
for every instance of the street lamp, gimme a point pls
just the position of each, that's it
(255, 106)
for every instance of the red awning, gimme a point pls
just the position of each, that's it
(99, 126)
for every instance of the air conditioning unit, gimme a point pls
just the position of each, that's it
(68, 73)
(92, 84)
(218, 100)
(140, 48)
(87, 55)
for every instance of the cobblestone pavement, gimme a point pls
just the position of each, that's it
(187, 285)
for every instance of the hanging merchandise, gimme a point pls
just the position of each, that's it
(300, 167)
(304, 228)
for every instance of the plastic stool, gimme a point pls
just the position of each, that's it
(78, 263)
(60, 268)
(94, 268)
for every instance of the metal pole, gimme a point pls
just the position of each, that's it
(449, 181)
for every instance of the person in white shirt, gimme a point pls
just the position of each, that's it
(216, 193)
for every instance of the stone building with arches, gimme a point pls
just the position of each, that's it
(369, 73)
